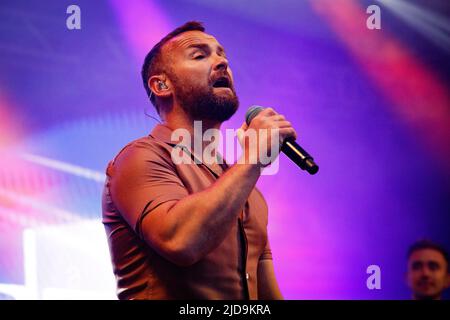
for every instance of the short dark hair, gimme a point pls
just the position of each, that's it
(152, 62)
(428, 244)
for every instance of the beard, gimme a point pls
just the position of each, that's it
(202, 103)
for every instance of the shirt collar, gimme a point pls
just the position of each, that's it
(163, 133)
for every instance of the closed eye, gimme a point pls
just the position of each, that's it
(199, 57)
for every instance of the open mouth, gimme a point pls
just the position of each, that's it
(222, 82)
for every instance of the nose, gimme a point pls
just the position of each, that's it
(426, 272)
(220, 63)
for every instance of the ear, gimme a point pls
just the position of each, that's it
(158, 90)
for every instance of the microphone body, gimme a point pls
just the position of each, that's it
(289, 147)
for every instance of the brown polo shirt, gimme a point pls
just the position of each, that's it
(143, 176)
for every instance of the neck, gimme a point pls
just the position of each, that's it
(179, 119)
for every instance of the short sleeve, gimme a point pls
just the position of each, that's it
(141, 178)
(267, 252)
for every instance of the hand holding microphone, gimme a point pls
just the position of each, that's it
(266, 118)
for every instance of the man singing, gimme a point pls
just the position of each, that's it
(190, 230)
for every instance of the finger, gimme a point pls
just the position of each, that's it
(277, 117)
(267, 112)
(283, 124)
(288, 133)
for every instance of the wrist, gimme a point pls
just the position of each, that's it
(249, 164)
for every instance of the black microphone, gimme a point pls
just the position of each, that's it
(289, 146)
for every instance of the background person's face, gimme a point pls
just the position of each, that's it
(427, 273)
(197, 61)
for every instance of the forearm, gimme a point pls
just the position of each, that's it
(200, 222)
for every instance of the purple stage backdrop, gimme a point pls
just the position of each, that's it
(371, 105)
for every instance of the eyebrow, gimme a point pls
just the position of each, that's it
(416, 262)
(205, 47)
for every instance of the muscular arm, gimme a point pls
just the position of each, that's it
(183, 227)
(184, 231)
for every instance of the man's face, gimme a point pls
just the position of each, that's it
(202, 81)
(427, 274)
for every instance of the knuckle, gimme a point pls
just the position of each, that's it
(270, 111)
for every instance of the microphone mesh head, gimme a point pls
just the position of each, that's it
(252, 112)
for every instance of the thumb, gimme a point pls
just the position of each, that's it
(240, 133)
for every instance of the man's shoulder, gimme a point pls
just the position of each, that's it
(140, 151)
(147, 143)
